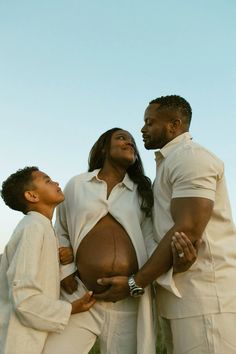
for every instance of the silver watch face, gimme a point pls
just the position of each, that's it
(137, 292)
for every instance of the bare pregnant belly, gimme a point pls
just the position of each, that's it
(105, 251)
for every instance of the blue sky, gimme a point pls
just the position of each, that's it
(70, 70)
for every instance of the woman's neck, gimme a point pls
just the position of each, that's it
(112, 176)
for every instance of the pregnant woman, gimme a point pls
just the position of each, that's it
(106, 220)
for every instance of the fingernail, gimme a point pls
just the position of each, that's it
(99, 281)
(173, 238)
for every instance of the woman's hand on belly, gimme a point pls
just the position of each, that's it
(66, 255)
(118, 288)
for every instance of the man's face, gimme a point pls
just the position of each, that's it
(156, 129)
(47, 190)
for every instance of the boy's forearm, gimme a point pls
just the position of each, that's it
(42, 313)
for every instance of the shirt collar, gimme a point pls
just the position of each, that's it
(91, 175)
(166, 150)
(40, 217)
(126, 181)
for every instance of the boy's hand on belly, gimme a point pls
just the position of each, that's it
(84, 303)
(69, 284)
(118, 289)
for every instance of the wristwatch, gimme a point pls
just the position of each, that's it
(134, 289)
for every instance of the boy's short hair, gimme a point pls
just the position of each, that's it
(14, 187)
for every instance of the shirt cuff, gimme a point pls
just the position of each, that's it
(66, 270)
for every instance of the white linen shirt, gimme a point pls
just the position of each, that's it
(85, 204)
(186, 169)
(30, 288)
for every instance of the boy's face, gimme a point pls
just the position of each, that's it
(48, 191)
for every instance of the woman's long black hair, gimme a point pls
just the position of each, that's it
(97, 158)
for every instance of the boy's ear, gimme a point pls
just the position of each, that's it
(31, 196)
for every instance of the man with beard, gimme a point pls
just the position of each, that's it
(190, 195)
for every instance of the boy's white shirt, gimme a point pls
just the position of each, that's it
(30, 288)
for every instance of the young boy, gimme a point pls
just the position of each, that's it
(29, 270)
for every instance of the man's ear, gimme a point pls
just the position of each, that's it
(175, 125)
(31, 196)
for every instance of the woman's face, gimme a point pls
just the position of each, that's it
(122, 148)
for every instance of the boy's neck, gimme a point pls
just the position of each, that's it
(44, 210)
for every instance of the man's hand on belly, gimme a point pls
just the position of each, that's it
(69, 284)
(118, 288)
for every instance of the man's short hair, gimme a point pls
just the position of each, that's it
(175, 103)
(14, 187)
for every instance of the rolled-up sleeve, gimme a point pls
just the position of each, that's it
(194, 174)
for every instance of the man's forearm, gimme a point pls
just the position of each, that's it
(190, 216)
(159, 263)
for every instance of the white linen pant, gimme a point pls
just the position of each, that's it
(115, 324)
(206, 334)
